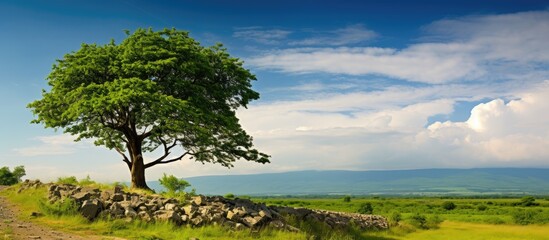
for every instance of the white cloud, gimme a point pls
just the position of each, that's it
(388, 130)
(261, 35)
(513, 131)
(479, 48)
(50, 145)
(430, 63)
(352, 34)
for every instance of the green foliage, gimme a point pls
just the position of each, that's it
(67, 207)
(418, 220)
(86, 181)
(347, 198)
(155, 89)
(449, 205)
(395, 218)
(8, 177)
(173, 184)
(229, 196)
(67, 180)
(525, 217)
(482, 207)
(527, 201)
(365, 208)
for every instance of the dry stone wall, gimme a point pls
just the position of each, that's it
(199, 210)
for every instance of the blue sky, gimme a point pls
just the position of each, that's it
(353, 85)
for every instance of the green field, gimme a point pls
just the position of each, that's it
(410, 218)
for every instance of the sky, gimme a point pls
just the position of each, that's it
(346, 85)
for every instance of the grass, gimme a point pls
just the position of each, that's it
(62, 218)
(418, 218)
(450, 230)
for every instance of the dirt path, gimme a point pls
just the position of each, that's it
(13, 228)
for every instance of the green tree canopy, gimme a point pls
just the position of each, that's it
(8, 177)
(154, 90)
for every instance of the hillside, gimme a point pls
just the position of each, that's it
(490, 181)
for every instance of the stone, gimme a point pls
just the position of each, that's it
(91, 208)
(129, 212)
(190, 210)
(251, 221)
(81, 196)
(165, 215)
(106, 195)
(265, 213)
(170, 206)
(118, 197)
(145, 216)
(199, 200)
(197, 221)
(117, 189)
(117, 210)
(36, 214)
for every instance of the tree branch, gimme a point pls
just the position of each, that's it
(124, 158)
(159, 161)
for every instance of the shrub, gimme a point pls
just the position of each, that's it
(86, 181)
(524, 217)
(527, 201)
(365, 208)
(419, 221)
(434, 221)
(347, 198)
(173, 184)
(8, 177)
(482, 207)
(67, 180)
(229, 195)
(395, 218)
(449, 206)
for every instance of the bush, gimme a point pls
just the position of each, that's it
(365, 208)
(86, 181)
(8, 177)
(395, 218)
(229, 195)
(524, 217)
(67, 180)
(527, 201)
(449, 206)
(482, 207)
(173, 184)
(419, 221)
(347, 198)
(434, 221)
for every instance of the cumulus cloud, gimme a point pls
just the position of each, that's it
(476, 48)
(512, 131)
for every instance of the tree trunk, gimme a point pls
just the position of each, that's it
(138, 174)
(138, 167)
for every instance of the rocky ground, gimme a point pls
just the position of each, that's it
(199, 210)
(13, 228)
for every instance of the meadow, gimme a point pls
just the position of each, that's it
(410, 218)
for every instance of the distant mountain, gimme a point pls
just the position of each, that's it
(491, 181)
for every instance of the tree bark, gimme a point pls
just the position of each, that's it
(137, 166)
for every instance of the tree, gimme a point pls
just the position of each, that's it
(173, 184)
(448, 205)
(366, 208)
(154, 90)
(8, 177)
